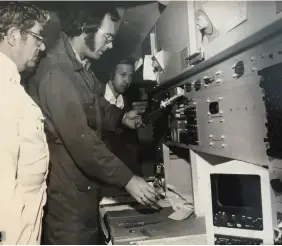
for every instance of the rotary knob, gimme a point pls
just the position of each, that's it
(188, 87)
(208, 80)
(198, 85)
(239, 69)
(223, 219)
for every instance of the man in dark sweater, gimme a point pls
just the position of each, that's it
(122, 141)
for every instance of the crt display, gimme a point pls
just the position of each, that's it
(238, 190)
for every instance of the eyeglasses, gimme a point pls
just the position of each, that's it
(39, 38)
(109, 38)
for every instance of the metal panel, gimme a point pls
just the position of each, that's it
(238, 130)
(262, 36)
(171, 27)
(254, 23)
(140, 20)
(172, 35)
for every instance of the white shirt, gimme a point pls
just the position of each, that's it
(109, 96)
(24, 160)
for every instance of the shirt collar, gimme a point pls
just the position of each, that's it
(84, 62)
(77, 65)
(109, 96)
(10, 68)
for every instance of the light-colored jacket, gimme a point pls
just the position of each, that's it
(24, 159)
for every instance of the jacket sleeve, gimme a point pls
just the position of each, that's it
(66, 111)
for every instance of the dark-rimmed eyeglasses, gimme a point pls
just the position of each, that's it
(109, 38)
(39, 38)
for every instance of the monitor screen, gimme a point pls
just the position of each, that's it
(237, 190)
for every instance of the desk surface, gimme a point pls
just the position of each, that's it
(165, 231)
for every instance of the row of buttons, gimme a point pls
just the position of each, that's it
(239, 70)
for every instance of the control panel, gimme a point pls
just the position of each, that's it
(230, 240)
(228, 112)
(239, 221)
(178, 121)
(191, 134)
(183, 123)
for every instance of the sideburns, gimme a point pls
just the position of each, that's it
(23, 37)
(90, 41)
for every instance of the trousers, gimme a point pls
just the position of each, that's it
(68, 222)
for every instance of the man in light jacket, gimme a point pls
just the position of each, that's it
(24, 154)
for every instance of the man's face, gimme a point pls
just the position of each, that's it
(122, 77)
(100, 42)
(30, 47)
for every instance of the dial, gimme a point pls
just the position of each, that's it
(198, 84)
(239, 69)
(188, 87)
(208, 80)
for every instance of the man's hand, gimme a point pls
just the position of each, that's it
(145, 194)
(133, 119)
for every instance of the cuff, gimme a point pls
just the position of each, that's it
(124, 175)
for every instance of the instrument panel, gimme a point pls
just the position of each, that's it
(230, 113)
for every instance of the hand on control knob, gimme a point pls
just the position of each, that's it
(145, 194)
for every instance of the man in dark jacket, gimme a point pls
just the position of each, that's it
(122, 141)
(80, 162)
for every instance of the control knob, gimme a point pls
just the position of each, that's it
(257, 223)
(239, 69)
(223, 219)
(208, 80)
(198, 84)
(188, 87)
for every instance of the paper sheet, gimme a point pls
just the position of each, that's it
(182, 208)
(181, 214)
(138, 64)
(148, 70)
(163, 58)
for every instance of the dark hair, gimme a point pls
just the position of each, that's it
(21, 15)
(84, 17)
(128, 61)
